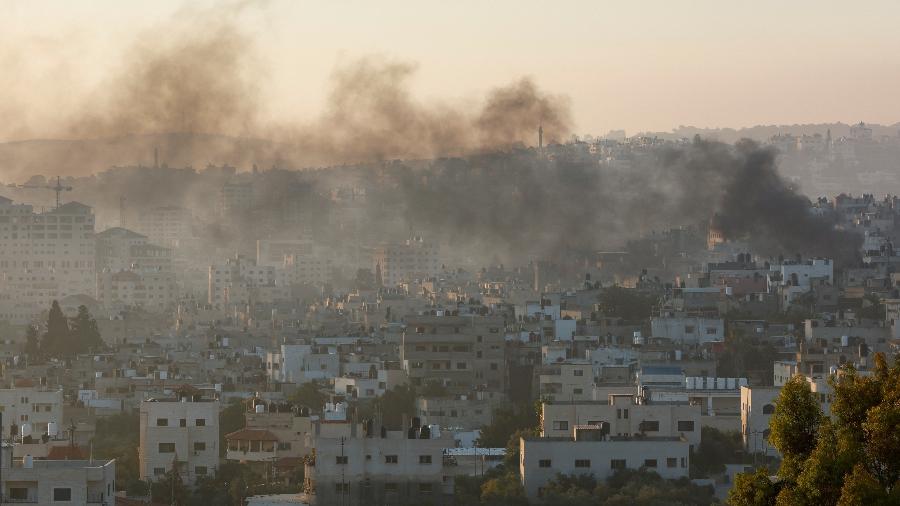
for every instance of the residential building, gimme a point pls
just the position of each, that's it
(53, 482)
(464, 353)
(414, 259)
(182, 430)
(591, 452)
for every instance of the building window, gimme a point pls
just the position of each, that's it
(617, 464)
(390, 459)
(19, 494)
(199, 446)
(424, 459)
(62, 494)
(162, 422)
(284, 445)
(683, 463)
(424, 488)
(578, 391)
(390, 487)
(768, 409)
(545, 463)
(166, 447)
(159, 471)
(200, 470)
(341, 460)
(650, 463)
(341, 487)
(200, 422)
(182, 422)
(686, 426)
(561, 425)
(582, 463)
(578, 372)
(494, 366)
(650, 426)
(671, 462)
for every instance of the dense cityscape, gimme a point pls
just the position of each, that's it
(399, 300)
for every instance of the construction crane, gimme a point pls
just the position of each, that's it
(58, 188)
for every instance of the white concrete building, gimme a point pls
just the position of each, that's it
(620, 415)
(299, 363)
(541, 459)
(183, 429)
(688, 329)
(44, 256)
(757, 408)
(233, 284)
(379, 467)
(414, 259)
(569, 380)
(28, 410)
(54, 482)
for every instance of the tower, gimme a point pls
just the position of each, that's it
(541, 137)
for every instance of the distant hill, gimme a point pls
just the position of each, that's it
(22, 159)
(763, 132)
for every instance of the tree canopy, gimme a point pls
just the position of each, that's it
(851, 458)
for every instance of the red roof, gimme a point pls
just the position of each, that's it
(252, 435)
(67, 453)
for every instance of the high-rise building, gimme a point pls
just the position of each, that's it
(44, 256)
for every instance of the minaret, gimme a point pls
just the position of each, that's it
(541, 137)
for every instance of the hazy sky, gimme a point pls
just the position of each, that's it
(647, 65)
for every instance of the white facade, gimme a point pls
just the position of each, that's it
(183, 430)
(623, 417)
(233, 283)
(541, 459)
(688, 329)
(757, 408)
(55, 482)
(43, 257)
(30, 409)
(413, 259)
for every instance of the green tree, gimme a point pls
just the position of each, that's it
(32, 344)
(55, 340)
(308, 394)
(753, 489)
(795, 425)
(85, 335)
(854, 459)
(230, 419)
(860, 487)
(504, 490)
(399, 401)
(716, 449)
(117, 437)
(505, 422)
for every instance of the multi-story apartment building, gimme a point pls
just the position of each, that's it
(44, 256)
(235, 197)
(567, 380)
(377, 466)
(155, 292)
(592, 452)
(182, 430)
(233, 283)
(52, 482)
(621, 415)
(299, 363)
(273, 434)
(166, 226)
(464, 353)
(414, 259)
(29, 410)
(757, 408)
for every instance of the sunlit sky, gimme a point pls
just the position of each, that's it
(638, 66)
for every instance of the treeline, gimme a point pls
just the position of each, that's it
(64, 337)
(850, 458)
